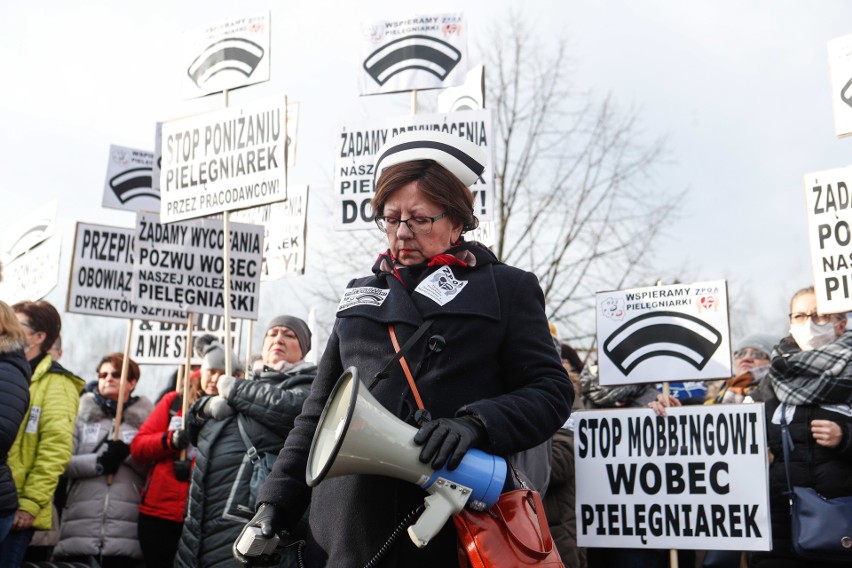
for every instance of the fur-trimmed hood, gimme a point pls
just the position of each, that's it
(8, 345)
(134, 415)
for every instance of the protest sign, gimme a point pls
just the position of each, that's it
(32, 275)
(829, 234)
(164, 343)
(358, 145)
(101, 275)
(468, 96)
(285, 228)
(129, 181)
(420, 52)
(840, 70)
(223, 160)
(694, 479)
(678, 332)
(29, 230)
(180, 266)
(229, 54)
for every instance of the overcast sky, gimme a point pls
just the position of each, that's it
(740, 90)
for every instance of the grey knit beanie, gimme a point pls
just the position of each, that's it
(214, 358)
(299, 327)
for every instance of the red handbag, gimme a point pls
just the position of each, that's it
(512, 533)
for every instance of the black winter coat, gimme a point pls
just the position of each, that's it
(219, 505)
(498, 364)
(828, 470)
(15, 393)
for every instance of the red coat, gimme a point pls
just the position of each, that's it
(163, 495)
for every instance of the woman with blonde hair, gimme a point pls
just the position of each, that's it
(15, 393)
(43, 446)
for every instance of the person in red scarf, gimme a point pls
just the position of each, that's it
(485, 368)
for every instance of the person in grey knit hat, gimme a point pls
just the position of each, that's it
(287, 338)
(238, 430)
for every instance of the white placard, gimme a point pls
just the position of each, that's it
(32, 275)
(226, 55)
(695, 479)
(129, 182)
(357, 148)
(163, 343)
(285, 229)
(678, 332)
(26, 232)
(100, 282)
(180, 266)
(223, 160)
(469, 96)
(840, 69)
(829, 233)
(420, 52)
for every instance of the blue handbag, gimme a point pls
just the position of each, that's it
(822, 528)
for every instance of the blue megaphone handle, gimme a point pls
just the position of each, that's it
(484, 474)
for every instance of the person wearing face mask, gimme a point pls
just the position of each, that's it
(237, 416)
(811, 373)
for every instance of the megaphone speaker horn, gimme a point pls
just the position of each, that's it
(357, 435)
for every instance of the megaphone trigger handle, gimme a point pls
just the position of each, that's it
(422, 416)
(445, 499)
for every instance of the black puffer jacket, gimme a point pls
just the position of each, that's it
(15, 394)
(219, 495)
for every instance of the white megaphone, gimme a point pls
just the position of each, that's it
(357, 435)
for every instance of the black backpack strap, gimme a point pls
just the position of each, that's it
(253, 455)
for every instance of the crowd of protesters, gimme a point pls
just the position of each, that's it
(169, 490)
(117, 480)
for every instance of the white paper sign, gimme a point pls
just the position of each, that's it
(26, 232)
(840, 69)
(421, 52)
(180, 266)
(226, 55)
(285, 229)
(224, 160)
(129, 181)
(695, 479)
(469, 96)
(678, 332)
(829, 217)
(357, 148)
(33, 275)
(164, 343)
(100, 282)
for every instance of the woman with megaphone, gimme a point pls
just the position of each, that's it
(470, 331)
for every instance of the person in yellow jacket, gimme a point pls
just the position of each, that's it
(42, 448)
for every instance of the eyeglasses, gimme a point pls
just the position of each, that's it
(417, 225)
(113, 374)
(800, 318)
(749, 352)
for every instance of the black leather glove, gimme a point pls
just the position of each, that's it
(449, 439)
(268, 520)
(195, 418)
(115, 454)
(180, 439)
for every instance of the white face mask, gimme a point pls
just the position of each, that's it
(810, 335)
